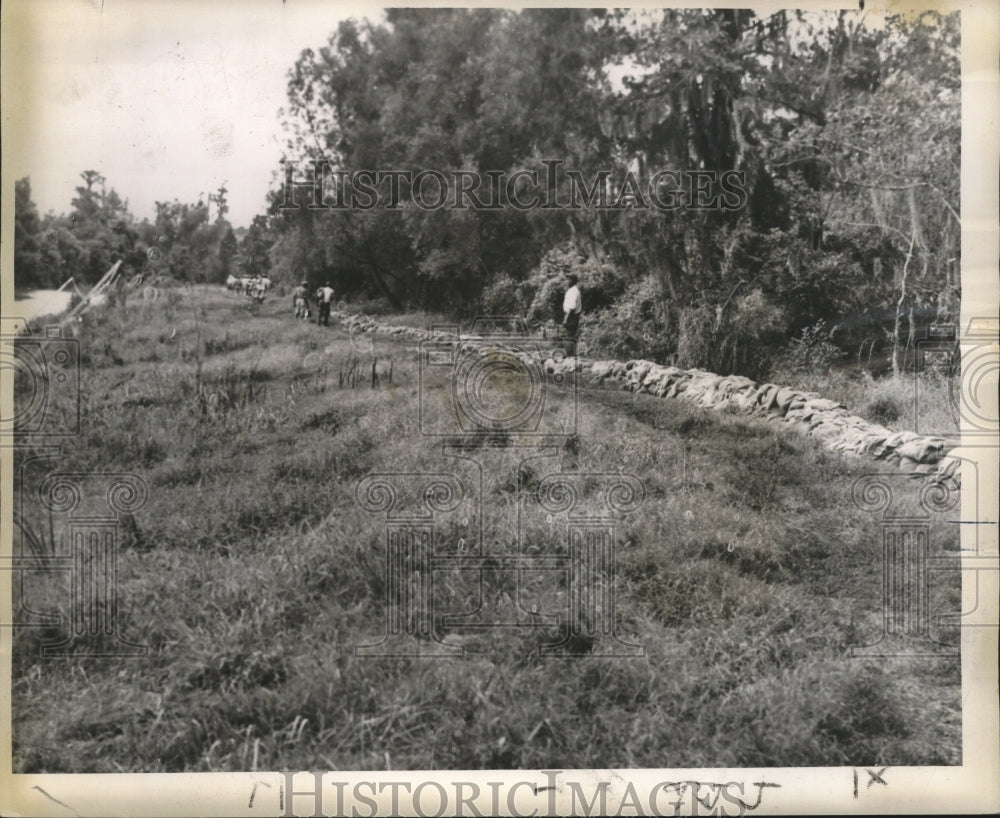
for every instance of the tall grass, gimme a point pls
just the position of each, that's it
(746, 575)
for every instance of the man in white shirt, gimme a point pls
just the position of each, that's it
(300, 300)
(324, 297)
(572, 309)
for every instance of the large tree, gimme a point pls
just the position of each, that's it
(443, 90)
(29, 262)
(844, 133)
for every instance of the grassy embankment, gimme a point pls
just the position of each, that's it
(253, 572)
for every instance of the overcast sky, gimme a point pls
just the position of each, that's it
(166, 99)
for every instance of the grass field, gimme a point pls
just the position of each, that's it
(252, 573)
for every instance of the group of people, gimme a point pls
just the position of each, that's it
(254, 286)
(324, 302)
(572, 308)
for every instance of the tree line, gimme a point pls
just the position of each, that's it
(187, 242)
(844, 130)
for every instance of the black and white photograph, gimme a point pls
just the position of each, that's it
(516, 410)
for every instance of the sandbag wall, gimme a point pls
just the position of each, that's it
(826, 421)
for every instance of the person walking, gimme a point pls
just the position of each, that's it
(324, 297)
(300, 300)
(572, 310)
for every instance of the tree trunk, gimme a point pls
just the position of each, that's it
(897, 351)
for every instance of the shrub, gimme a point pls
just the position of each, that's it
(545, 297)
(695, 337)
(504, 297)
(725, 339)
(539, 297)
(634, 327)
(812, 353)
(884, 410)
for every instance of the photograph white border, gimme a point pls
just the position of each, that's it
(972, 787)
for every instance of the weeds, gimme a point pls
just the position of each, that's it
(745, 575)
(885, 410)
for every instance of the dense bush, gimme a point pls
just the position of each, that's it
(741, 338)
(633, 327)
(811, 353)
(504, 297)
(600, 284)
(539, 296)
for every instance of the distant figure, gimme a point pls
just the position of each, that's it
(257, 290)
(324, 297)
(572, 309)
(300, 300)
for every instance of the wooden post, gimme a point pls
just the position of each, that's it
(96, 290)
